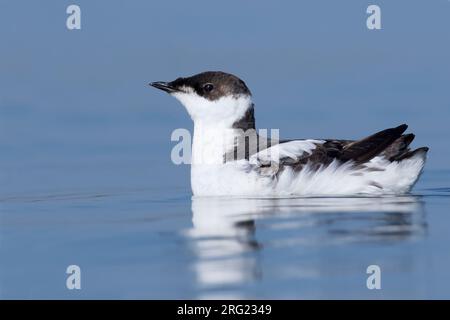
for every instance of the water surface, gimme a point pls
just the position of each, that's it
(85, 170)
(148, 243)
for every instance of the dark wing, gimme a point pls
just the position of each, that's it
(390, 143)
(364, 150)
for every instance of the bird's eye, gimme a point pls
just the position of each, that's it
(208, 87)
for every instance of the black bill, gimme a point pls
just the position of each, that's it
(164, 86)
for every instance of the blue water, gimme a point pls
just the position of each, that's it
(158, 243)
(85, 170)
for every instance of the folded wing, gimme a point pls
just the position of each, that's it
(390, 143)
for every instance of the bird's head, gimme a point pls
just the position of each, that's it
(211, 97)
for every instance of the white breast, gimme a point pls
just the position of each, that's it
(241, 178)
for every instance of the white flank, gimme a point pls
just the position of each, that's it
(214, 135)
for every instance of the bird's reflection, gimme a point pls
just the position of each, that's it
(229, 234)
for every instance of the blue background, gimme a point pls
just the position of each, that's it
(75, 99)
(78, 120)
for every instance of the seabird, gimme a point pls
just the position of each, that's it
(230, 159)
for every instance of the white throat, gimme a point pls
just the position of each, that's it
(213, 124)
(223, 112)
